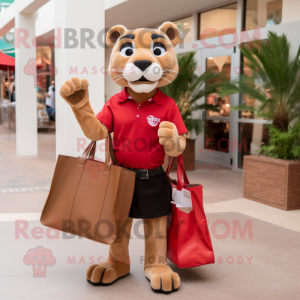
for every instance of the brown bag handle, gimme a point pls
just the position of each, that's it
(89, 152)
(111, 150)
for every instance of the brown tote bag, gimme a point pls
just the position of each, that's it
(90, 198)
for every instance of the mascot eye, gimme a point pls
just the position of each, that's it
(159, 49)
(127, 49)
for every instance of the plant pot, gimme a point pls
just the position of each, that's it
(271, 181)
(188, 157)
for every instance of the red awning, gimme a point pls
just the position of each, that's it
(6, 61)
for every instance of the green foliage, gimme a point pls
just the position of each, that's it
(187, 88)
(283, 144)
(274, 80)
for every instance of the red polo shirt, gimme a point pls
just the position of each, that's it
(135, 128)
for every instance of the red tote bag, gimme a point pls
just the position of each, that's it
(189, 243)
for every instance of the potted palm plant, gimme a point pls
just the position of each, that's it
(272, 177)
(186, 89)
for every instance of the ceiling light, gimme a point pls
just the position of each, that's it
(210, 58)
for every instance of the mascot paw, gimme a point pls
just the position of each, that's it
(74, 90)
(162, 279)
(167, 134)
(106, 273)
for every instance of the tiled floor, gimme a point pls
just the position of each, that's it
(25, 181)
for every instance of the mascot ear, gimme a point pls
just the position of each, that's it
(113, 34)
(171, 30)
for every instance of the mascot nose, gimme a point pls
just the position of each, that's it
(142, 64)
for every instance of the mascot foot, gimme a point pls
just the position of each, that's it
(106, 273)
(162, 279)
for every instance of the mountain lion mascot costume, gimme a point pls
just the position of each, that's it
(146, 125)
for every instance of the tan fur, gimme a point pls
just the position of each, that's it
(143, 51)
(155, 265)
(118, 263)
(173, 143)
(162, 277)
(75, 93)
(140, 97)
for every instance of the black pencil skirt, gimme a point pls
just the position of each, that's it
(151, 198)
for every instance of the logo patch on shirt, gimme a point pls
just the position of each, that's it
(153, 121)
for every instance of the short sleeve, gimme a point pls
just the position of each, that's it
(176, 118)
(105, 116)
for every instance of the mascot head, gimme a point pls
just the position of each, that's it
(143, 59)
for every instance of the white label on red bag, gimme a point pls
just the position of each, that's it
(182, 198)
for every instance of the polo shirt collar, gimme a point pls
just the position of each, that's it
(123, 95)
(157, 98)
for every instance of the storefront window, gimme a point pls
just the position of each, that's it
(218, 64)
(251, 138)
(216, 135)
(185, 28)
(262, 13)
(218, 22)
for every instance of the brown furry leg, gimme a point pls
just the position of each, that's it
(117, 265)
(160, 275)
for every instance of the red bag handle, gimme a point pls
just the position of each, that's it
(170, 166)
(181, 174)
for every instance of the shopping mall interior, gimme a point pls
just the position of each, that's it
(252, 204)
